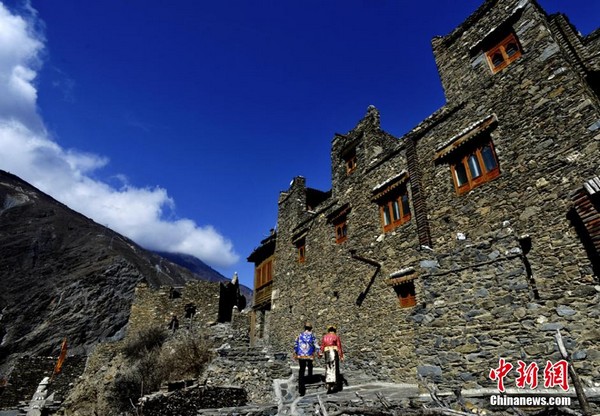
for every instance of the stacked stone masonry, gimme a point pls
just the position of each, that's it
(506, 266)
(152, 306)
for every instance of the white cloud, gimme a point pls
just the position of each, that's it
(27, 150)
(19, 52)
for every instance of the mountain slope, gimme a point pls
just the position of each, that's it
(195, 265)
(63, 275)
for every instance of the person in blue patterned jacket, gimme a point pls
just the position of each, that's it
(305, 349)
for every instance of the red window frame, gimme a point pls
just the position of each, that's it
(468, 164)
(397, 211)
(501, 50)
(341, 231)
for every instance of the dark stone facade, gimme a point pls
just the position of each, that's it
(495, 269)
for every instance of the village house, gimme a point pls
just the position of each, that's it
(473, 237)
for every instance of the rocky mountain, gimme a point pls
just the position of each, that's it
(195, 265)
(63, 275)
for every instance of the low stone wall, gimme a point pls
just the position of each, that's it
(190, 401)
(155, 307)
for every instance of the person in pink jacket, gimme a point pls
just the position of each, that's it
(331, 347)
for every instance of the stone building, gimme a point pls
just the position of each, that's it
(471, 238)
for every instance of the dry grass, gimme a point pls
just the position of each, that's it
(153, 359)
(187, 356)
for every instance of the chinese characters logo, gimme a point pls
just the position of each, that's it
(555, 374)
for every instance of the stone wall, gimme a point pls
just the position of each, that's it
(190, 401)
(332, 288)
(460, 56)
(592, 42)
(545, 150)
(506, 267)
(156, 306)
(480, 304)
(251, 369)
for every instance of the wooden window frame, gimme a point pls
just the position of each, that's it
(263, 273)
(486, 175)
(501, 48)
(388, 203)
(341, 226)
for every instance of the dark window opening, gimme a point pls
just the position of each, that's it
(497, 59)
(593, 79)
(511, 49)
(350, 161)
(174, 293)
(407, 296)
(301, 248)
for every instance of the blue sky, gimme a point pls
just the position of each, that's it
(178, 123)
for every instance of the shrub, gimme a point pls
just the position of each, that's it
(151, 360)
(144, 341)
(186, 356)
(140, 376)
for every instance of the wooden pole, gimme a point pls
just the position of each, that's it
(583, 402)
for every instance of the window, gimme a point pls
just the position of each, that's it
(503, 53)
(403, 282)
(341, 231)
(350, 160)
(474, 168)
(406, 294)
(301, 248)
(263, 273)
(394, 209)
(339, 220)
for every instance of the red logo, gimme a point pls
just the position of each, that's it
(556, 374)
(528, 375)
(500, 372)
